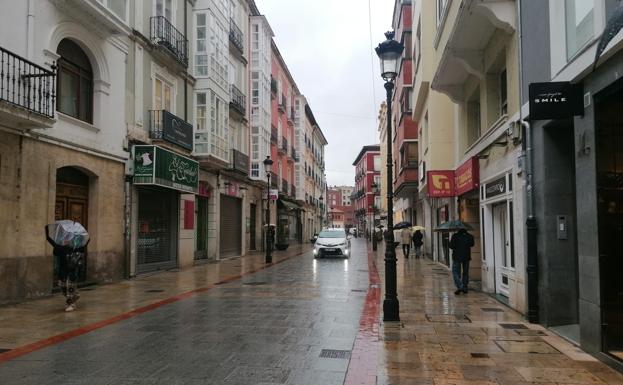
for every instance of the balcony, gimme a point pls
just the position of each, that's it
(239, 162)
(165, 35)
(294, 154)
(274, 180)
(165, 126)
(406, 182)
(274, 136)
(273, 88)
(27, 92)
(238, 100)
(284, 187)
(291, 116)
(283, 148)
(236, 38)
(293, 191)
(282, 104)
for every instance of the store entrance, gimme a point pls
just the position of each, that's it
(609, 152)
(501, 248)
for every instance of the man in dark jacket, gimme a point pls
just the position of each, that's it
(461, 245)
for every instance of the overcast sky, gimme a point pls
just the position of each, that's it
(327, 47)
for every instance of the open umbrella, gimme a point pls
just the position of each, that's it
(453, 225)
(402, 225)
(416, 228)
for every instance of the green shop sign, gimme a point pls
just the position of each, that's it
(156, 166)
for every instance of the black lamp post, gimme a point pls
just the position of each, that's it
(268, 166)
(321, 199)
(390, 54)
(375, 191)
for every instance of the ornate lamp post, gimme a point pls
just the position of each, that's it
(268, 166)
(390, 54)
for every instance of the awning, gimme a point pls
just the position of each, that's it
(283, 204)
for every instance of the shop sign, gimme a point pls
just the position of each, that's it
(154, 165)
(232, 189)
(467, 176)
(555, 100)
(177, 131)
(440, 183)
(496, 187)
(274, 194)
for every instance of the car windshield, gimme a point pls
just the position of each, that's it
(332, 234)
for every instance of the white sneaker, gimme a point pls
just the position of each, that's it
(70, 308)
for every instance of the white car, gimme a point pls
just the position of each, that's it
(332, 242)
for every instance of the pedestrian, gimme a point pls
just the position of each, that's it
(405, 240)
(69, 261)
(461, 244)
(417, 243)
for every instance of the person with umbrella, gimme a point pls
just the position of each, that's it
(405, 237)
(461, 244)
(418, 241)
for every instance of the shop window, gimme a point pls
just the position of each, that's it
(75, 82)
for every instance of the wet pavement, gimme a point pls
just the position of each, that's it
(299, 321)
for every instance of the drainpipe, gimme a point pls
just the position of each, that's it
(531, 224)
(185, 78)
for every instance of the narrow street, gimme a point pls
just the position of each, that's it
(299, 321)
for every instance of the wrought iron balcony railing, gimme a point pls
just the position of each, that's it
(273, 87)
(173, 129)
(238, 100)
(294, 154)
(27, 85)
(235, 35)
(284, 186)
(274, 136)
(274, 180)
(164, 34)
(293, 193)
(284, 145)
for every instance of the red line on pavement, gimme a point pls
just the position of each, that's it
(26, 349)
(364, 357)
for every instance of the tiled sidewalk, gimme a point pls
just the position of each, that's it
(39, 320)
(472, 339)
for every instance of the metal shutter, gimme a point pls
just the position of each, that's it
(157, 235)
(231, 226)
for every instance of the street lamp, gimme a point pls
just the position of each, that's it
(375, 191)
(390, 53)
(268, 166)
(321, 199)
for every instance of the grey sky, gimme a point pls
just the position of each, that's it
(337, 85)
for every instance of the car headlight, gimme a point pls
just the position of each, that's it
(342, 244)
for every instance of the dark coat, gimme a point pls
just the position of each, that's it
(417, 239)
(461, 244)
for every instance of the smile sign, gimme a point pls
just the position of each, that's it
(555, 100)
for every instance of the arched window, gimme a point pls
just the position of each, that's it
(75, 82)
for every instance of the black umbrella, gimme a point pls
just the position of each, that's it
(453, 225)
(402, 225)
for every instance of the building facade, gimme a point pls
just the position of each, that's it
(365, 198)
(62, 145)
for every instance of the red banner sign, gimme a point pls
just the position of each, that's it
(467, 176)
(440, 183)
(204, 189)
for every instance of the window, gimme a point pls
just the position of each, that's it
(201, 129)
(165, 8)
(74, 82)
(409, 154)
(201, 55)
(503, 93)
(441, 9)
(377, 163)
(162, 95)
(219, 126)
(580, 25)
(219, 52)
(473, 117)
(118, 7)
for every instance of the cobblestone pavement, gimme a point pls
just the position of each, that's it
(301, 321)
(269, 327)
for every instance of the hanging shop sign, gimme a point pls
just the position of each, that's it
(154, 165)
(467, 176)
(204, 189)
(274, 194)
(177, 131)
(495, 187)
(440, 183)
(555, 100)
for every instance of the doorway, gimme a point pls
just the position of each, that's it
(72, 202)
(202, 228)
(609, 152)
(252, 226)
(501, 247)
